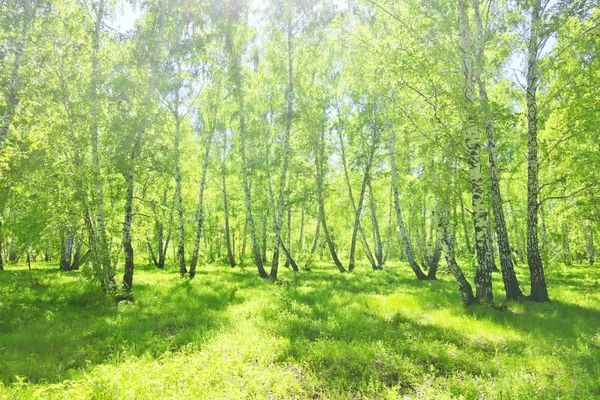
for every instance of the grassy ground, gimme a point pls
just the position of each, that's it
(320, 334)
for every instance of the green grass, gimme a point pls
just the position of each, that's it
(318, 334)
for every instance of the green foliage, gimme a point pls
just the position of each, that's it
(318, 334)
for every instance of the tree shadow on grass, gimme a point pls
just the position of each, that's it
(332, 330)
(336, 334)
(52, 325)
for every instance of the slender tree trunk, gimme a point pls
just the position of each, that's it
(388, 240)
(230, 254)
(76, 256)
(301, 235)
(237, 77)
(285, 158)
(539, 290)
(13, 81)
(320, 164)
(178, 197)
(151, 251)
(589, 244)
(437, 247)
(511, 284)
(447, 241)
(245, 236)
(101, 257)
(357, 228)
(545, 240)
(464, 225)
(264, 224)
(410, 255)
(1, 249)
(288, 234)
(490, 243)
(315, 242)
(358, 210)
(130, 174)
(162, 246)
(127, 239)
(566, 248)
(483, 277)
(205, 164)
(313, 248)
(67, 250)
(377, 246)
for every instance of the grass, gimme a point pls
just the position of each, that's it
(317, 335)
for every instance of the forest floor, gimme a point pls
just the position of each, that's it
(229, 335)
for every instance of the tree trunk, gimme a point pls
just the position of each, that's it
(1, 249)
(545, 240)
(76, 257)
(13, 82)
(101, 257)
(464, 225)
(357, 228)
(511, 284)
(178, 197)
(151, 251)
(288, 234)
(539, 290)
(490, 243)
(315, 242)
(377, 246)
(301, 234)
(358, 209)
(243, 249)
(483, 277)
(230, 247)
(320, 164)
(410, 255)
(205, 164)
(127, 239)
(237, 76)
(437, 249)
(130, 174)
(67, 250)
(264, 238)
(566, 248)
(388, 240)
(447, 241)
(589, 244)
(285, 159)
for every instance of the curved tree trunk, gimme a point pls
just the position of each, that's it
(466, 291)
(410, 255)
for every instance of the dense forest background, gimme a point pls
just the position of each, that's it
(284, 132)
